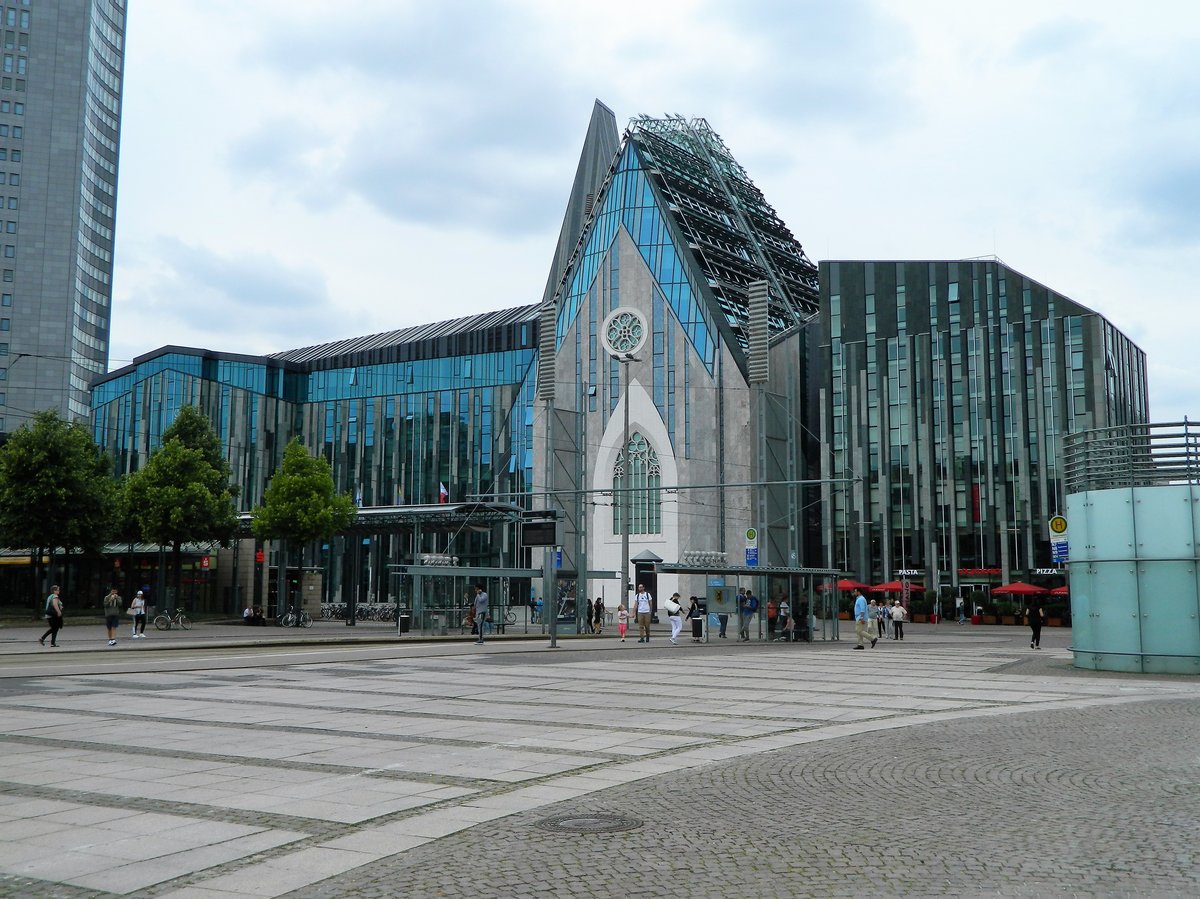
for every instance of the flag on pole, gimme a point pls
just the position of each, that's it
(443, 493)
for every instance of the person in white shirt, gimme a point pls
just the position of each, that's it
(137, 609)
(642, 603)
(899, 616)
(675, 616)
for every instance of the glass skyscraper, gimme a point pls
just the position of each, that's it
(60, 117)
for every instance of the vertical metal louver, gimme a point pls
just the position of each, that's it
(758, 296)
(547, 319)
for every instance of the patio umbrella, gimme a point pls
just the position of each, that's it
(1060, 591)
(1018, 588)
(845, 585)
(897, 587)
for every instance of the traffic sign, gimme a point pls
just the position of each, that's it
(751, 556)
(204, 562)
(1058, 551)
(1058, 526)
(259, 557)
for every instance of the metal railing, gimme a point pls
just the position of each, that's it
(1140, 455)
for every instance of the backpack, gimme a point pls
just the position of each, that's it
(753, 604)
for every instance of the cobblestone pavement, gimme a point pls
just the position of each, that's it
(956, 763)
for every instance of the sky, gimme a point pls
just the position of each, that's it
(294, 172)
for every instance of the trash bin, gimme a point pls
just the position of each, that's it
(698, 628)
(405, 622)
(438, 625)
(975, 619)
(934, 618)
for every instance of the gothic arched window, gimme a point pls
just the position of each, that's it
(637, 489)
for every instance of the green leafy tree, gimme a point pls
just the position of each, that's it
(300, 504)
(182, 494)
(56, 490)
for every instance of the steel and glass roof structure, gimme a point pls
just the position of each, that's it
(704, 230)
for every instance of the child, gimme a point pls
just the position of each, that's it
(622, 620)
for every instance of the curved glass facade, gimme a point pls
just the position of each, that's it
(392, 431)
(950, 388)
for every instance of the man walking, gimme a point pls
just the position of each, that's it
(481, 611)
(899, 614)
(960, 607)
(860, 621)
(642, 603)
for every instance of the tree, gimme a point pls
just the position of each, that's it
(183, 494)
(56, 490)
(300, 504)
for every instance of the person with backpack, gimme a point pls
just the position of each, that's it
(644, 603)
(747, 610)
(54, 617)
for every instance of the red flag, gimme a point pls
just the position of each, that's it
(443, 493)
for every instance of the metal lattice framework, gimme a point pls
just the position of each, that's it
(730, 227)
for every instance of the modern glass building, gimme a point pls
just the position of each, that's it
(950, 388)
(60, 122)
(690, 386)
(399, 416)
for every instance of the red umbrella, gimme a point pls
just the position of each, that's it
(1018, 588)
(896, 587)
(1060, 591)
(845, 585)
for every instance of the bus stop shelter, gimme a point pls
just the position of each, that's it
(804, 585)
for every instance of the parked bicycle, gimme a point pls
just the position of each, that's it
(296, 619)
(170, 619)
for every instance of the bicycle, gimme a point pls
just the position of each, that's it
(296, 619)
(170, 619)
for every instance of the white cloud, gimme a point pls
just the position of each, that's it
(380, 159)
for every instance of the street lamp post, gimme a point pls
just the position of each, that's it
(624, 333)
(625, 474)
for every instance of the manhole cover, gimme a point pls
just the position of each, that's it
(591, 823)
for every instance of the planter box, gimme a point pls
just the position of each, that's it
(1008, 619)
(989, 619)
(843, 616)
(1054, 622)
(919, 619)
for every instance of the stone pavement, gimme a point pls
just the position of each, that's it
(959, 762)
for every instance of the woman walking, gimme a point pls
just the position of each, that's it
(137, 609)
(598, 614)
(1034, 616)
(675, 616)
(54, 617)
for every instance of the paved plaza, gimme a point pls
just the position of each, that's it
(959, 762)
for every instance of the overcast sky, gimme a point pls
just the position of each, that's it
(295, 171)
